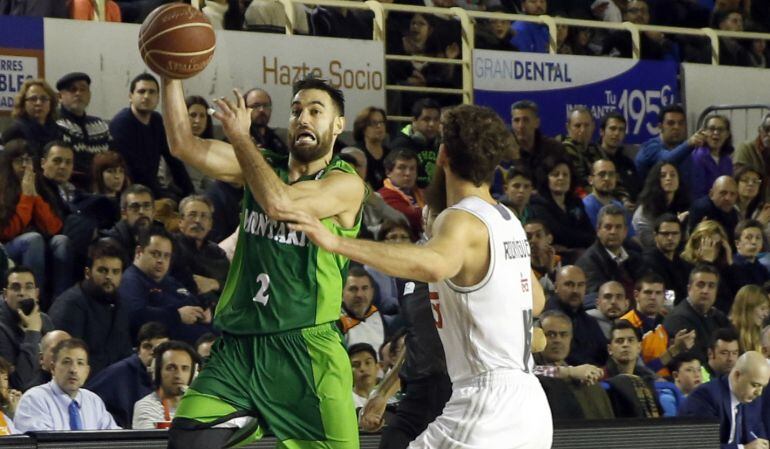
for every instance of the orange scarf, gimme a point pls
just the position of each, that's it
(4, 430)
(416, 199)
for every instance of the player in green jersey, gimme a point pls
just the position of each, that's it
(280, 365)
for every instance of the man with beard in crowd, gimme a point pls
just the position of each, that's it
(137, 209)
(261, 106)
(91, 310)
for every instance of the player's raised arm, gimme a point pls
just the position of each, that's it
(213, 158)
(314, 124)
(454, 234)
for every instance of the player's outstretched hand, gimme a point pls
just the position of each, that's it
(312, 227)
(234, 115)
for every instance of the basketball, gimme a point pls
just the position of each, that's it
(176, 41)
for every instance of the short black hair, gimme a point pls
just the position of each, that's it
(404, 154)
(358, 271)
(104, 248)
(519, 170)
(70, 343)
(56, 143)
(527, 105)
(151, 330)
(173, 345)
(143, 77)
(362, 347)
(424, 103)
(668, 217)
(611, 115)
(678, 360)
(18, 269)
(134, 189)
(338, 98)
(624, 324)
(747, 224)
(649, 278)
(726, 334)
(145, 234)
(672, 108)
(703, 268)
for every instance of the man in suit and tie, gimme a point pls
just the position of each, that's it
(735, 400)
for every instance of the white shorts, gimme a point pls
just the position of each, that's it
(499, 409)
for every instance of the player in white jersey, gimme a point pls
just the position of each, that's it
(483, 292)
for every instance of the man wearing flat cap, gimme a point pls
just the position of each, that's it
(88, 135)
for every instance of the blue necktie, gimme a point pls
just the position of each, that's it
(74, 410)
(739, 425)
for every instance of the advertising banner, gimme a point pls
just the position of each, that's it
(21, 56)
(558, 83)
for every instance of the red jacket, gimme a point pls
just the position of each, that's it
(31, 211)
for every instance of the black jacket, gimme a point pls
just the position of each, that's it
(588, 342)
(599, 268)
(103, 325)
(684, 316)
(675, 273)
(20, 348)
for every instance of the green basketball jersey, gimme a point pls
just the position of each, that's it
(279, 280)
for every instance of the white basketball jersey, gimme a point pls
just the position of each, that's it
(488, 326)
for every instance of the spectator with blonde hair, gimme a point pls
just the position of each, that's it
(34, 114)
(749, 311)
(709, 244)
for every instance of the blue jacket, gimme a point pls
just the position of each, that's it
(530, 37)
(147, 300)
(712, 400)
(653, 151)
(120, 385)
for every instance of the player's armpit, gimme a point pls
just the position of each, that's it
(337, 195)
(454, 234)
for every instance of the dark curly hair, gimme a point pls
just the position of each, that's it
(653, 198)
(475, 140)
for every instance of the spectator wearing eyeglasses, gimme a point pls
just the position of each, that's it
(149, 293)
(30, 221)
(712, 159)
(137, 211)
(370, 133)
(755, 153)
(34, 114)
(198, 263)
(261, 106)
(22, 324)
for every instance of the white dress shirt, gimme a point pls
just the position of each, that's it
(46, 407)
(148, 411)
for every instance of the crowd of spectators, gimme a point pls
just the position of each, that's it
(654, 261)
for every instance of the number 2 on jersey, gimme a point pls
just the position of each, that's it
(263, 280)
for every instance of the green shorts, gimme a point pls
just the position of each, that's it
(298, 384)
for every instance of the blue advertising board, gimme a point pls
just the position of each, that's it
(558, 83)
(21, 55)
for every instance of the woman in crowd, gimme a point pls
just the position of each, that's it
(201, 126)
(662, 192)
(370, 132)
(9, 399)
(109, 177)
(711, 160)
(557, 205)
(751, 200)
(748, 313)
(34, 113)
(709, 244)
(28, 222)
(421, 40)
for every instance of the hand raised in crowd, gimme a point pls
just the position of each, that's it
(33, 321)
(684, 340)
(14, 396)
(28, 181)
(697, 139)
(191, 314)
(371, 414)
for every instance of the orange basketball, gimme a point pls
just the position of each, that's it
(176, 41)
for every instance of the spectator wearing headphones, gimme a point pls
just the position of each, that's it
(174, 366)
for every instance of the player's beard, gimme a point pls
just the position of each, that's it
(435, 194)
(307, 154)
